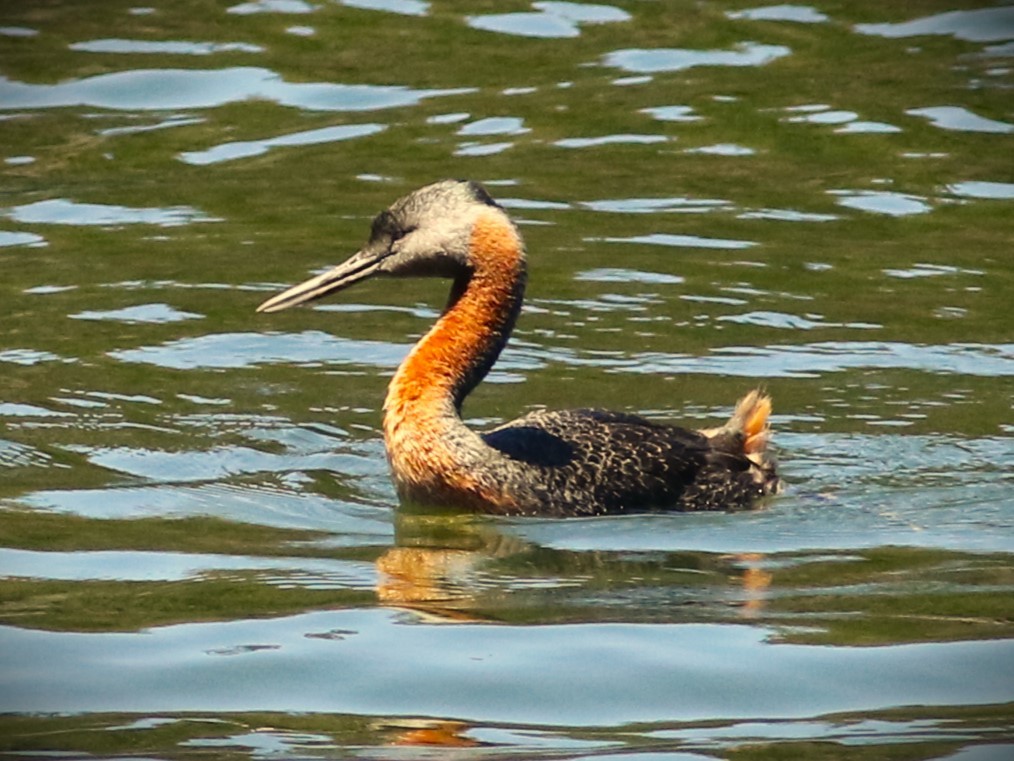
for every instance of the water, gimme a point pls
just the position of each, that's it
(201, 553)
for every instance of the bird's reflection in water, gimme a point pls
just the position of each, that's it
(440, 733)
(437, 565)
(469, 569)
(755, 581)
(453, 568)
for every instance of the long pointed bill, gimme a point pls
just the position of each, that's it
(357, 267)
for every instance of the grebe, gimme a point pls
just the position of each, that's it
(577, 462)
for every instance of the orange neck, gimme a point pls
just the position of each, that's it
(422, 424)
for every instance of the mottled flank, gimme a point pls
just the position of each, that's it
(577, 462)
(593, 462)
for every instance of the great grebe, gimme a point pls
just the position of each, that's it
(575, 462)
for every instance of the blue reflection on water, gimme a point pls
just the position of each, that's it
(668, 672)
(980, 25)
(164, 47)
(645, 61)
(248, 148)
(206, 88)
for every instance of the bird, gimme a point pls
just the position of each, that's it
(580, 462)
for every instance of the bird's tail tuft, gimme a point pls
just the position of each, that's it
(747, 434)
(747, 431)
(751, 420)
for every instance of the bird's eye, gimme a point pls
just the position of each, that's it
(401, 232)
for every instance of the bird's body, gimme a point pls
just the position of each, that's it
(576, 462)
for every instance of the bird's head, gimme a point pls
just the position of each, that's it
(429, 232)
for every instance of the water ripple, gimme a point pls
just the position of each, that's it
(237, 350)
(645, 61)
(980, 189)
(352, 524)
(814, 359)
(176, 566)
(142, 313)
(552, 19)
(163, 47)
(800, 14)
(402, 7)
(680, 241)
(671, 677)
(620, 139)
(960, 119)
(271, 6)
(62, 211)
(882, 202)
(161, 89)
(980, 25)
(8, 238)
(248, 148)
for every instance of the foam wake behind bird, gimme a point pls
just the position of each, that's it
(565, 463)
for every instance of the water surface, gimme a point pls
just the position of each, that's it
(200, 550)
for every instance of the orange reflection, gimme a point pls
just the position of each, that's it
(430, 580)
(447, 734)
(756, 582)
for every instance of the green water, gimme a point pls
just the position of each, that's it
(201, 554)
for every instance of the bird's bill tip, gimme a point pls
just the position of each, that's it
(298, 294)
(272, 304)
(338, 278)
